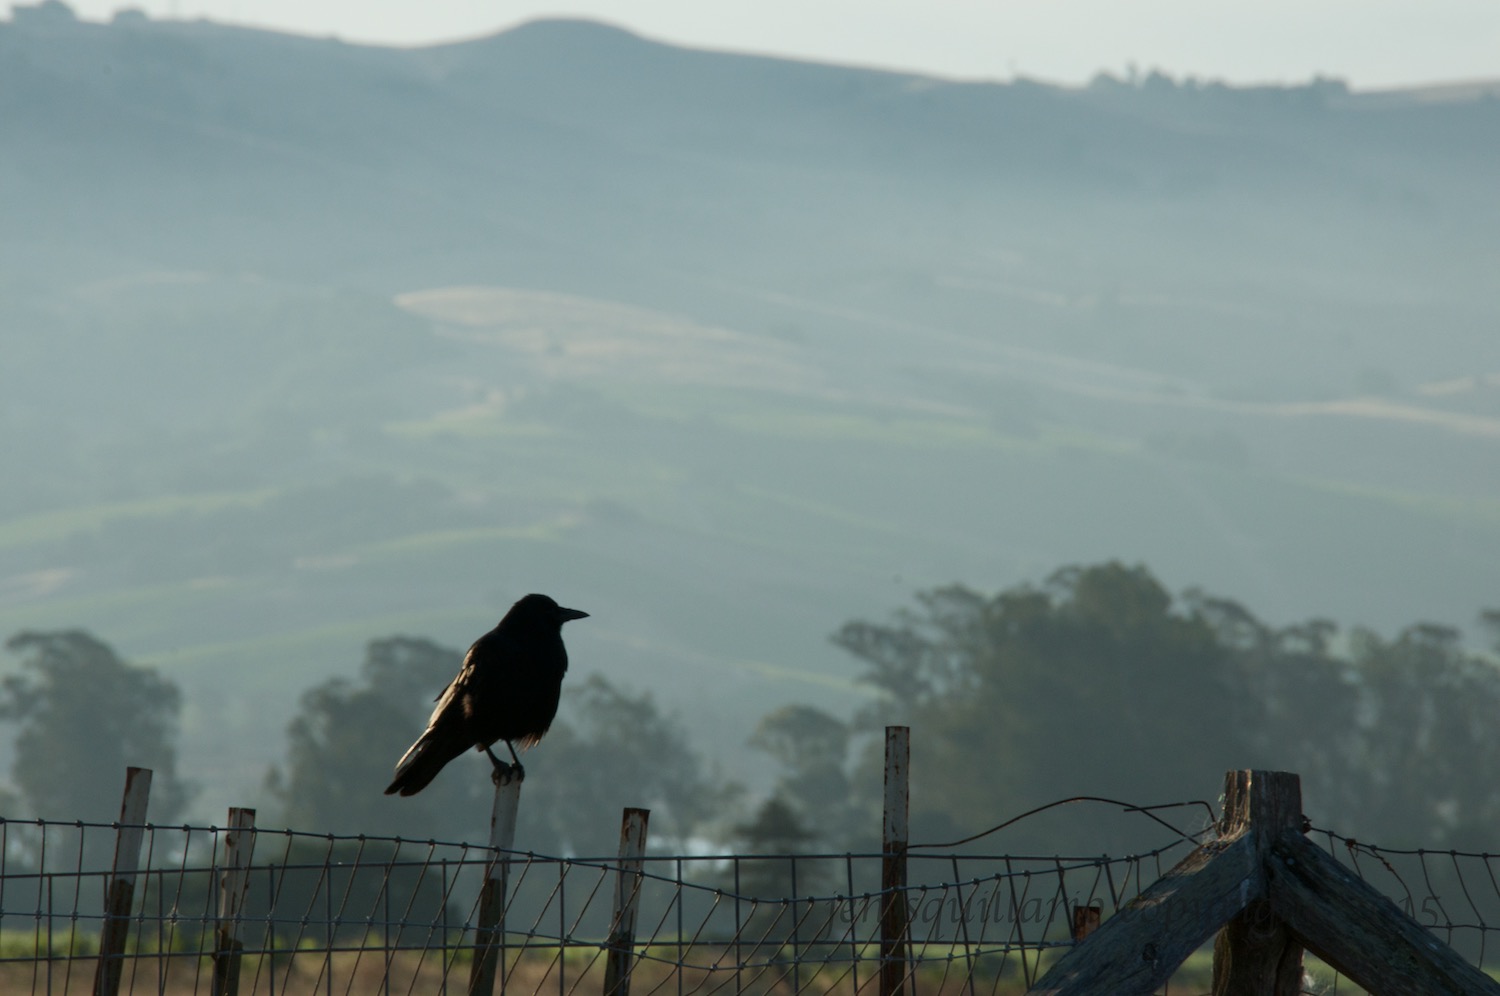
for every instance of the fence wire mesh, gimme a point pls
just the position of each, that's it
(1454, 894)
(326, 914)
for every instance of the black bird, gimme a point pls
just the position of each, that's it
(506, 690)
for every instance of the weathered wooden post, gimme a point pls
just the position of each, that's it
(1255, 954)
(1273, 892)
(234, 880)
(1360, 932)
(121, 895)
(1136, 950)
(894, 836)
(628, 878)
(489, 931)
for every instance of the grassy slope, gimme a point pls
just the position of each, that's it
(773, 345)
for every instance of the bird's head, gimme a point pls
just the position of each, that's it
(541, 607)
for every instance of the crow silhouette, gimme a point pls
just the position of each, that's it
(506, 690)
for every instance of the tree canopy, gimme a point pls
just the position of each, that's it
(817, 791)
(82, 716)
(1098, 681)
(346, 736)
(607, 750)
(1101, 682)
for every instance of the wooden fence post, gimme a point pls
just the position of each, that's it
(1137, 949)
(234, 880)
(121, 895)
(1359, 931)
(1255, 954)
(489, 930)
(1273, 892)
(894, 836)
(628, 879)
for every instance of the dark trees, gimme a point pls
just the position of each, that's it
(610, 749)
(1100, 682)
(1088, 685)
(817, 791)
(346, 738)
(83, 715)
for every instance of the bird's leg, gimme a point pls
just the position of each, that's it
(505, 772)
(516, 761)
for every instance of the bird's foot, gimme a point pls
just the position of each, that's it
(505, 773)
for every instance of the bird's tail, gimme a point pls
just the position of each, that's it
(421, 763)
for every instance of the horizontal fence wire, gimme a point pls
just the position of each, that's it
(326, 914)
(329, 914)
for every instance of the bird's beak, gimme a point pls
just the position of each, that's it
(568, 615)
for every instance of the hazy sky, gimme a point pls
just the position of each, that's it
(1371, 43)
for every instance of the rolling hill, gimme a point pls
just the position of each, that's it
(308, 343)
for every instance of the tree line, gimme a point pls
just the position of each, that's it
(1096, 682)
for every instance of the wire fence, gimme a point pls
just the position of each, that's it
(333, 914)
(327, 914)
(1454, 894)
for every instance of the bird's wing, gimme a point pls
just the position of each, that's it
(449, 697)
(445, 701)
(448, 708)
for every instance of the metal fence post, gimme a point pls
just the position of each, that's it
(121, 895)
(489, 928)
(893, 925)
(234, 880)
(621, 945)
